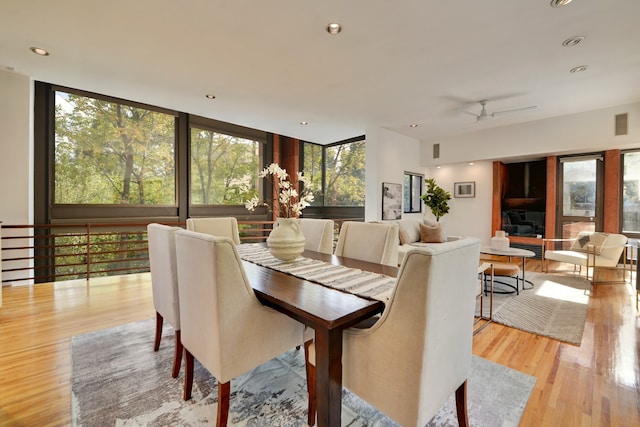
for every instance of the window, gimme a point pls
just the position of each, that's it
(338, 169)
(344, 174)
(222, 167)
(412, 192)
(312, 168)
(112, 153)
(630, 188)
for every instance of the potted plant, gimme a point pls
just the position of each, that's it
(436, 198)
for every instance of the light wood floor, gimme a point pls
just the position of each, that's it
(596, 384)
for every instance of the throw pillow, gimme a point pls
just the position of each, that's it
(584, 240)
(431, 234)
(442, 227)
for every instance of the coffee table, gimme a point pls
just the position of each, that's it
(512, 253)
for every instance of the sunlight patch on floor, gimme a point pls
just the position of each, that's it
(551, 289)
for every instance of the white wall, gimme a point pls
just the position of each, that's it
(575, 133)
(389, 156)
(16, 158)
(469, 217)
(16, 175)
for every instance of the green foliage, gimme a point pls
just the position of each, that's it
(313, 170)
(345, 175)
(436, 198)
(108, 153)
(221, 166)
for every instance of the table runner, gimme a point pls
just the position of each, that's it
(351, 280)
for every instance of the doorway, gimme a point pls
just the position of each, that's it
(579, 195)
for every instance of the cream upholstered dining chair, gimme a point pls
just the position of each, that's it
(221, 226)
(418, 353)
(224, 325)
(164, 284)
(318, 234)
(369, 241)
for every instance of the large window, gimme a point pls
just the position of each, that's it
(337, 172)
(313, 168)
(112, 153)
(630, 192)
(344, 174)
(223, 167)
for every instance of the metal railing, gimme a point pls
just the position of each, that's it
(50, 252)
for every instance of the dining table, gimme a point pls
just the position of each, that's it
(328, 311)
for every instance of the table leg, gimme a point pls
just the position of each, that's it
(524, 268)
(328, 345)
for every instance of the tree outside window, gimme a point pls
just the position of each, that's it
(222, 167)
(112, 153)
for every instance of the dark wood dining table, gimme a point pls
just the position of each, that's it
(328, 311)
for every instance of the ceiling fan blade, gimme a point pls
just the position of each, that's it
(497, 113)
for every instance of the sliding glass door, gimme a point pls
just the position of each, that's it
(580, 195)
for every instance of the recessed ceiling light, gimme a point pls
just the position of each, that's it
(413, 125)
(210, 96)
(334, 28)
(572, 41)
(559, 3)
(303, 123)
(39, 51)
(578, 69)
(471, 163)
(438, 167)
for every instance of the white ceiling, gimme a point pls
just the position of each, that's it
(271, 64)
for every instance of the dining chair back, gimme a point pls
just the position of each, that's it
(369, 241)
(224, 325)
(220, 226)
(318, 234)
(418, 353)
(164, 285)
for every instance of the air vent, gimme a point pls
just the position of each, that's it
(436, 151)
(622, 124)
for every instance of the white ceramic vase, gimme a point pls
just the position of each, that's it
(286, 241)
(500, 241)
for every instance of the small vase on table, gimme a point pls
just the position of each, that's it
(286, 241)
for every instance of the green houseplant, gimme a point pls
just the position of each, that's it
(436, 198)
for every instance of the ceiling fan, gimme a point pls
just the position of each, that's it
(484, 115)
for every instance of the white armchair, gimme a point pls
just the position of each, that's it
(164, 285)
(419, 353)
(221, 227)
(223, 324)
(369, 241)
(318, 234)
(591, 250)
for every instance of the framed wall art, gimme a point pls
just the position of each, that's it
(391, 201)
(464, 189)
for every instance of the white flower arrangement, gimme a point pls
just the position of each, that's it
(290, 200)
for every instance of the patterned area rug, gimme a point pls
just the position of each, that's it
(119, 380)
(556, 307)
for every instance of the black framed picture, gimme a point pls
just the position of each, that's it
(391, 201)
(464, 189)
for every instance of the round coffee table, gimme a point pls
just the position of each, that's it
(511, 253)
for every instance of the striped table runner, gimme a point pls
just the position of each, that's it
(352, 280)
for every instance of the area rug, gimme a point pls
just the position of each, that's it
(556, 306)
(118, 380)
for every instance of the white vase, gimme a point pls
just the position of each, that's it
(286, 241)
(500, 241)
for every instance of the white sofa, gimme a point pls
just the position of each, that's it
(410, 228)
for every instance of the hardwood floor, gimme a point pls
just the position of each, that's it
(596, 384)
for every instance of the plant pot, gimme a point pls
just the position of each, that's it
(286, 241)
